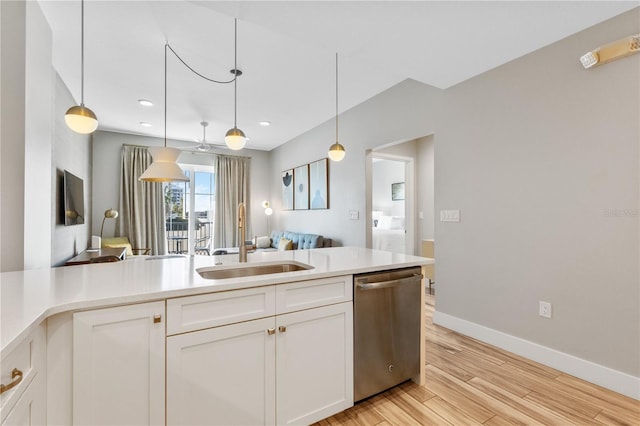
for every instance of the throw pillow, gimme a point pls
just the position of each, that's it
(263, 242)
(285, 244)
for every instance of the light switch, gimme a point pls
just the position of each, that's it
(420, 215)
(354, 215)
(449, 215)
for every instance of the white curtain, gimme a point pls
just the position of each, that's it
(141, 205)
(232, 188)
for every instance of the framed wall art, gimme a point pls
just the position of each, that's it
(319, 184)
(301, 187)
(397, 191)
(287, 190)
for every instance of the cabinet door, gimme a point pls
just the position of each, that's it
(118, 365)
(314, 356)
(223, 375)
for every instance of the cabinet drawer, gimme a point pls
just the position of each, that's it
(214, 309)
(313, 293)
(28, 358)
(30, 408)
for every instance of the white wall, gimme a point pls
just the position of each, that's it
(386, 172)
(107, 148)
(541, 158)
(38, 140)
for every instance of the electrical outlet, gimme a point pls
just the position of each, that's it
(545, 309)
(449, 215)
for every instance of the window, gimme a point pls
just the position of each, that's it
(189, 212)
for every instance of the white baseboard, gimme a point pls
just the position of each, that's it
(606, 377)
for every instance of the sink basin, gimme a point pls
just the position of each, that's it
(250, 269)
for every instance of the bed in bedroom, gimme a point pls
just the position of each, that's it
(388, 234)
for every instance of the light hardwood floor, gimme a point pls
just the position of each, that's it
(472, 383)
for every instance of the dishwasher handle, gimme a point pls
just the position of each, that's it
(388, 284)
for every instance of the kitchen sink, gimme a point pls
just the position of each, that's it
(249, 270)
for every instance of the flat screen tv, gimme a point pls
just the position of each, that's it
(73, 199)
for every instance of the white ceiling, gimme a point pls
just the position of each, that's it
(287, 52)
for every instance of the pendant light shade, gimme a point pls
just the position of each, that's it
(164, 167)
(235, 139)
(336, 151)
(79, 118)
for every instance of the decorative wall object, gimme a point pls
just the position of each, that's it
(301, 187)
(319, 185)
(287, 190)
(397, 191)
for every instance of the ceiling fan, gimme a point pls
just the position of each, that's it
(203, 145)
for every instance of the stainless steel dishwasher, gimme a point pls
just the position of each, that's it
(387, 323)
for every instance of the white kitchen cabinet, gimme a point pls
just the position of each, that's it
(291, 368)
(314, 363)
(223, 375)
(30, 409)
(119, 365)
(23, 400)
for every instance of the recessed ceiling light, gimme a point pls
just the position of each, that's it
(145, 124)
(265, 123)
(145, 102)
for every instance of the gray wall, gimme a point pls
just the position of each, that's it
(107, 148)
(425, 172)
(539, 155)
(405, 112)
(12, 132)
(541, 158)
(72, 152)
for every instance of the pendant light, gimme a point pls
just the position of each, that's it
(235, 138)
(79, 118)
(164, 167)
(204, 146)
(336, 151)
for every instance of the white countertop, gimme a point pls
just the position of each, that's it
(29, 297)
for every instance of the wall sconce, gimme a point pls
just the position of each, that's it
(267, 208)
(268, 211)
(612, 51)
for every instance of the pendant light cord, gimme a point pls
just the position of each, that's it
(82, 53)
(235, 72)
(336, 96)
(196, 72)
(165, 94)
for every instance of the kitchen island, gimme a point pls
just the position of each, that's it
(54, 302)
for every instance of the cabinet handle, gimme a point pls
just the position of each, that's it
(271, 331)
(157, 319)
(16, 377)
(282, 328)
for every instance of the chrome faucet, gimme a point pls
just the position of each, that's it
(242, 227)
